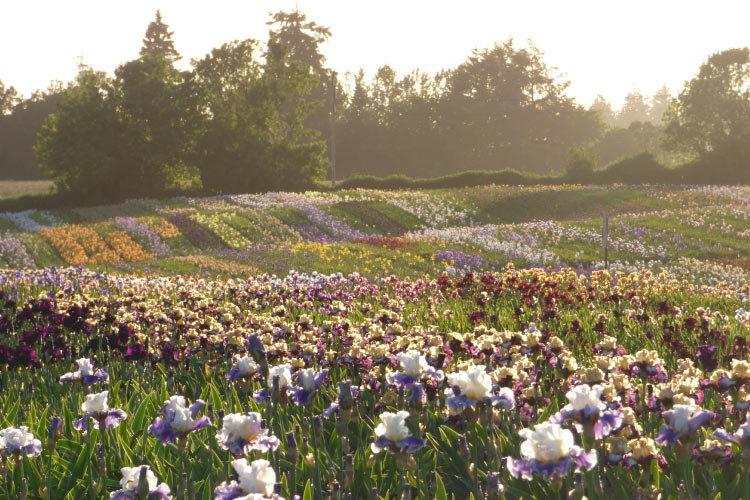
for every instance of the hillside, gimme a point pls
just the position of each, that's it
(697, 233)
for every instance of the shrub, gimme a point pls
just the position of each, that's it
(638, 169)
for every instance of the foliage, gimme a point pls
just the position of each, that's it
(643, 167)
(9, 98)
(80, 145)
(581, 164)
(158, 41)
(158, 110)
(18, 134)
(501, 108)
(618, 143)
(255, 136)
(712, 112)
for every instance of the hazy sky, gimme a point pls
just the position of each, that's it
(602, 46)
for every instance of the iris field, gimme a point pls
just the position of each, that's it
(447, 344)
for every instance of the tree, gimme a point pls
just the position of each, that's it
(581, 165)
(161, 121)
(604, 108)
(618, 143)
(634, 109)
(295, 155)
(130, 136)
(505, 109)
(18, 133)
(255, 138)
(9, 98)
(302, 39)
(158, 41)
(659, 104)
(80, 145)
(712, 112)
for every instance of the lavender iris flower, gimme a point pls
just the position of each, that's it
(550, 452)
(85, 373)
(97, 408)
(308, 383)
(682, 421)
(18, 442)
(177, 420)
(588, 412)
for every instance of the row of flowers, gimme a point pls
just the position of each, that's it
(82, 244)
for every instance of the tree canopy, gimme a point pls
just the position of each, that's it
(232, 124)
(256, 115)
(713, 110)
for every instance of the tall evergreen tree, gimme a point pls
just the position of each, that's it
(634, 109)
(158, 41)
(604, 108)
(660, 104)
(301, 40)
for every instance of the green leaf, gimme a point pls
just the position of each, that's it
(307, 495)
(140, 413)
(655, 472)
(10, 417)
(440, 493)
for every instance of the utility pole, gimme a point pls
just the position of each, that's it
(333, 128)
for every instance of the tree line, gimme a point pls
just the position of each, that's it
(255, 116)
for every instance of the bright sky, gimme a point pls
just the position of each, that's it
(602, 46)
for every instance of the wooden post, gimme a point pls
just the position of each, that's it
(605, 242)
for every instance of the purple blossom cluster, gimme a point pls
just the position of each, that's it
(465, 262)
(143, 232)
(336, 227)
(13, 252)
(311, 232)
(197, 234)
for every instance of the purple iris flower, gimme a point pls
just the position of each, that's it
(242, 434)
(741, 437)
(282, 373)
(135, 477)
(254, 481)
(707, 357)
(308, 383)
(416, 395)
(549, 452)
(414, 368)
(97, 408)
(85, 373)
(588, 412)
(345, 399)
(469, 386)
(177, 420)
(19, 442)
(243, 367)
(393, 435)
(457, 403)
(682, 421)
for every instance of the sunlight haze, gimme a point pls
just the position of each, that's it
(601, 47)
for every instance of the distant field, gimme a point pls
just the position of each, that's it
(701, 234)
(14, 189)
